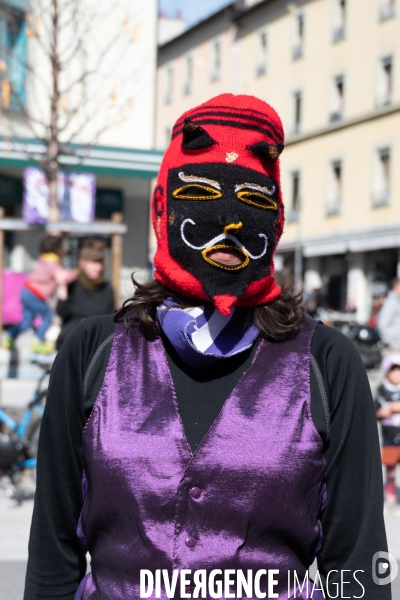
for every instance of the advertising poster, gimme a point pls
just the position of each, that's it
(76, 196)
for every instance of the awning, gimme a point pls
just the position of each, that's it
(101, 160)
(94, 228)
(340, 242)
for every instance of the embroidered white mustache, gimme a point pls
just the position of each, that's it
(220, 238)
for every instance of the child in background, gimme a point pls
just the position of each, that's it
(40, 287)
(388, 411)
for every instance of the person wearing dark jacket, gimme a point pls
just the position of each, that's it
(90, 295)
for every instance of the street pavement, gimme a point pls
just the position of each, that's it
(15, 520)
(15, 516)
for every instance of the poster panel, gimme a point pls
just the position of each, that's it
(76, 196)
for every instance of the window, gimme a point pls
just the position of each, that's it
(297, 111)
(339, 20)
(387, 9)
(262, 53)
(337, 99)
(298, 48)
(294, 207)
(216, 60)
(169, 84)
(385, 81)
(335, 188)
(188, 75)
(381, 177)
(13, 58)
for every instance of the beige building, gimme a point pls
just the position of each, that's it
(331, 69)
(195, 66)
(169, 27)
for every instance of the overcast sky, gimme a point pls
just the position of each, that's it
(192, 10)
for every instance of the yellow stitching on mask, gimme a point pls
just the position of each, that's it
(233, 228)
(216, 193)
(219, 265)
(242, 195)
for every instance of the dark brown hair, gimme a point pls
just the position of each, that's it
(277, 321)
(92, 250)
(51, 243)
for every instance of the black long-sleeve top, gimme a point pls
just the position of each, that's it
(81, 304)
(342, 410)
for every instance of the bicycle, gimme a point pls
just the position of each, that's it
(19, 444)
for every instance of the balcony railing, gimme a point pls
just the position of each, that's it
(339, 33)
(293, 215)
(297, 52)
(387, 11)
(261, 69)
(336, 116)
(384, 100)
(380, 199)
(333, 207)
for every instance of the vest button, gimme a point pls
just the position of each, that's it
(190, 542)
(195, 492)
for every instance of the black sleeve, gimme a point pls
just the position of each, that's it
(64, 307)
(110, 300)
(57, 559)
(353, 525)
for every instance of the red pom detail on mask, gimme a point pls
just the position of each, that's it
(224, 303)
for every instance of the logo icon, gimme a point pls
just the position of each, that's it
(381, 573)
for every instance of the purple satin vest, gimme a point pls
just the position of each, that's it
(248, 498)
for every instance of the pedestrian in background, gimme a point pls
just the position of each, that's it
(90, 295)
(377, 303)
(387, 406)
(42, 284)
(389, 318)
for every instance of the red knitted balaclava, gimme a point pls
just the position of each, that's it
(219, 192)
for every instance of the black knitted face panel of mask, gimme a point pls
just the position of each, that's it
(215, 206)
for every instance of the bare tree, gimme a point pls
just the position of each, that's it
(78, 77)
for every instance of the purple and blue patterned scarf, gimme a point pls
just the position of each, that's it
(202, 335)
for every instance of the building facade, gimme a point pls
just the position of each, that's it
(332, 70)
(193, 67)
(117, 148)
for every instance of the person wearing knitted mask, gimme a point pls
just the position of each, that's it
(210, 426)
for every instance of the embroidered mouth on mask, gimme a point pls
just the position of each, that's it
(215, 244)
